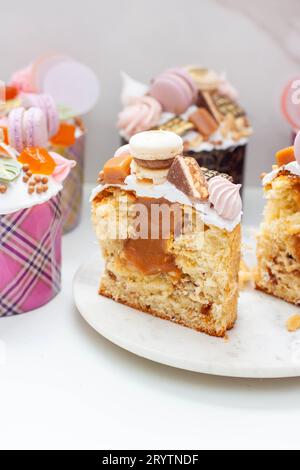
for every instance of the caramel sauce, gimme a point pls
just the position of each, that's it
(150, 255)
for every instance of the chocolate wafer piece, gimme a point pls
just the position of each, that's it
(177, 125)
(187, 176)
(209, 174)
(203, 122)
(226, 106)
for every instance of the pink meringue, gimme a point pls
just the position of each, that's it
(141, 115)
(225, 197)
(122, 151)
(22, 79)
(63, 167)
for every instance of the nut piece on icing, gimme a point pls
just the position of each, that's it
(187, 176)
(203, 122)
(116, 169)
(225, 197)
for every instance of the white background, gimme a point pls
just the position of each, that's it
(256, 43)
(62, 385)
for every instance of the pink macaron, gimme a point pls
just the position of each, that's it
(187, 80)
(47, 105)
(27, 128)
(174, 90)
(35, 128)
(15, 128)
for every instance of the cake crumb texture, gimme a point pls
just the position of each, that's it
(278, 247)
(202, 292)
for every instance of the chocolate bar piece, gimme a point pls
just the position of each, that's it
(209, 174)
(226, 106)
(206, 101)
(187, 176)
(177, 125)
(203, 122)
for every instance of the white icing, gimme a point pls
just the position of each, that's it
(208, 146)
(171, 193)
(292, 167)
(17, 198)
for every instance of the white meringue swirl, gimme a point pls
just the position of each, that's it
(225, 197)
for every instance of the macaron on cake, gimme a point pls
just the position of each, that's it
(49, 86)
(198, 105)
(278, 245)
(31, 181)
(169, 232)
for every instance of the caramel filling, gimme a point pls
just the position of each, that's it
(150, 255)
(154, 164)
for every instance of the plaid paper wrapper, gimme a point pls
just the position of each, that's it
(30, 257)
(73, 185)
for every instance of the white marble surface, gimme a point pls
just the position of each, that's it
(256, 42)
(63, 385)
(259, 346)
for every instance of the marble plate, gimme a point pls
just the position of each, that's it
(259, 345)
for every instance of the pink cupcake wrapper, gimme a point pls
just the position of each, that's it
(30, 257)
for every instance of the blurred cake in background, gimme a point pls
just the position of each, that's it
(290, 105)
(169, 232)
(50, 83)
(278, 248)
(198, 105)
(31, 181)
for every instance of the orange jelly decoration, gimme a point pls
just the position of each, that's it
(117, 169)
(5, 134)
(38, 159)
(10, 92)
(285, 156)
(65, 136)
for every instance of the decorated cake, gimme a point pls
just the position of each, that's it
(198, 105)
(49, 84)
(290, 105)
(31, 181)
(278, 249)
(169, 232)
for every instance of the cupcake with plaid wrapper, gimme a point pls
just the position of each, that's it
(50, 83)
(197, 104)
(31, 181)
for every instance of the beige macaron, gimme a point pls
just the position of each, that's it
(155, 145)
(205, 79)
